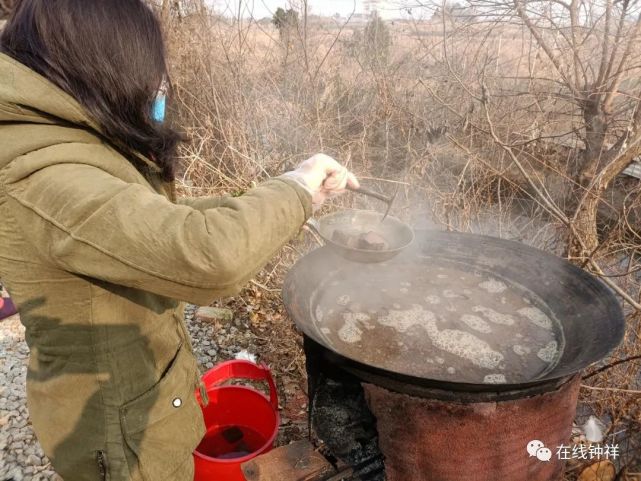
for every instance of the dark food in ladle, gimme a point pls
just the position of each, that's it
(372, 241)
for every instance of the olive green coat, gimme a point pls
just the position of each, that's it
(97, 256)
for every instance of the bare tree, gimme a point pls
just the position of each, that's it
(593, 47)
(575, 60)
(181, 8)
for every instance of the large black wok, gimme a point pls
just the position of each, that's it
(590, 317)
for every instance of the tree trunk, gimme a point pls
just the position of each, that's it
(586, 228)
(165, 10)
(585, 221)
(585, 218)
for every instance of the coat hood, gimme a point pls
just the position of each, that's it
(27, 97)
(37, 114)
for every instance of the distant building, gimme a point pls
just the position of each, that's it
(370, 6)
(359, 18)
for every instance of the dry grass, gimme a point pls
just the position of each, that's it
(254, 106)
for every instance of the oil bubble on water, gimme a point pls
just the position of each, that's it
(469, 326)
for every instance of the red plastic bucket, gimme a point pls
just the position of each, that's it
(242, 422)
(7, 308)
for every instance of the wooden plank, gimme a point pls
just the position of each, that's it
(296, 462)
(341, 476)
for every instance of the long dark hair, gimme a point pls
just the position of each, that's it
(107, 54)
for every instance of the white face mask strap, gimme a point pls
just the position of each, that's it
(164, 87)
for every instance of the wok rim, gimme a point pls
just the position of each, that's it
(615, 315)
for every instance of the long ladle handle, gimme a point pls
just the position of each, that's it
(313, 227)
(371, 193)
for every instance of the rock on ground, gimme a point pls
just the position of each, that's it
(21, 456)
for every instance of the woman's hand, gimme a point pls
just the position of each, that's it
(323, 177)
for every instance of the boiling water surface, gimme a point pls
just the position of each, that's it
(438, 320)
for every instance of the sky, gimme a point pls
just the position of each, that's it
(265, 8)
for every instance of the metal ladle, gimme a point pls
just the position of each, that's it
(383, 198)
(370, 193)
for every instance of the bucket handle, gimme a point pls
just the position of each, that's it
(241, 369)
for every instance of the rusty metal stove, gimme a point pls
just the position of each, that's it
(388, 421)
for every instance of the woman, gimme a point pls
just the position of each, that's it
(97, 252)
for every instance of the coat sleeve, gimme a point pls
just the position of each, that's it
(203, 203)
(89, 222)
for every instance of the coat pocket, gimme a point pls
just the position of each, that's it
(164, 425)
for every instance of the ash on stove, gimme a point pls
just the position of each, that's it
(340, 418)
